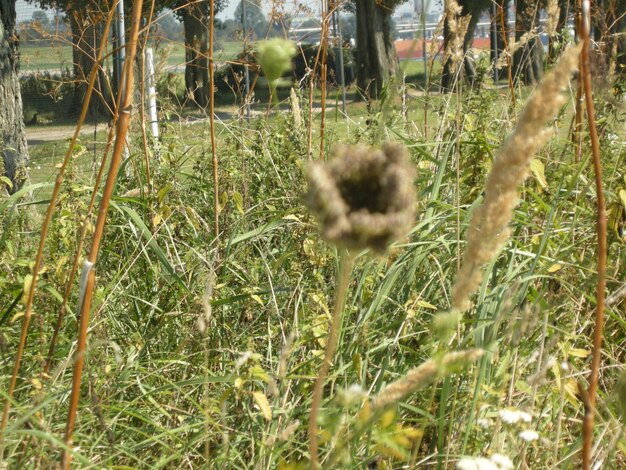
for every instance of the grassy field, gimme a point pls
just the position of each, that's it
(204, 348)
(56, 57)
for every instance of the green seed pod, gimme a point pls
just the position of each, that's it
(275, 57)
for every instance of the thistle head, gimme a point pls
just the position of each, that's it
(363, 197)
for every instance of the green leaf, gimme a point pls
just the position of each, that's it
(538, 170)
(152, 244)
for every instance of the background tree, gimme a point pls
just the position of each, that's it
(12, 138)
(195, 17)
(469, 16)
(528, 59)
(557, 40)
(377, 61)
(85, 18)
(499, 34)
(41, 17)
(256, 22)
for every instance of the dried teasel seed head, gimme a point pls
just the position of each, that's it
(363, 197)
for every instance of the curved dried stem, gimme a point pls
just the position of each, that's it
(123, 120)
(601, 229)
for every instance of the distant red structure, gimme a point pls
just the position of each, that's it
(413, 49)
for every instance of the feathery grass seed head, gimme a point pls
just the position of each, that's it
(362, 197)
(488, 229)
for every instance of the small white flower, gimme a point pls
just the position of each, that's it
(564, 366)
(529, 435)
(502, 461)
(513, 416)
(352, 395)
(243, 359)
(484, 423)
(476, 463)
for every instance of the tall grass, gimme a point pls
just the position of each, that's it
(206, 354)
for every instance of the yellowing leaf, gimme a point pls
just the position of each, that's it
(17, 316)
(36, 383)
(257, 299)
(424, 304)
(238, 200)
(576, 352)
(263, 404)
(156, 220)
(622, 196)
(539, 172)
(554, 268)
(28, 280)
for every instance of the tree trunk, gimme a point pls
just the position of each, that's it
(499, 25)
(377, 61)
(470, 14)
(86, 38)
(558, 39)
(528, 59)
(468, 43)
(195, 22)
(12, 138)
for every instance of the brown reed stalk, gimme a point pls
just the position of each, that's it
(30, 294)
(123, 121)
(346, 262)
(601, 229)
(216, 191)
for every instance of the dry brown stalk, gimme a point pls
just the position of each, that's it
(422, 376)
(123, 120)
(601, 229)
(488, 230)
(30, 293)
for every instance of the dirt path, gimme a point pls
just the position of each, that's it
(37, 135)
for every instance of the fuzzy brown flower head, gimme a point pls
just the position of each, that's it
(363, 197)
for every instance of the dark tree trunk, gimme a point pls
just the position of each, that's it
(528, 59)
(558, 39)
(468, 43)
(12, 138)
(377, 61)
(499, 25)
(450, 72)
(195, 21)
(86, 39)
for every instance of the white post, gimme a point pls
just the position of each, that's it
(150, 81)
